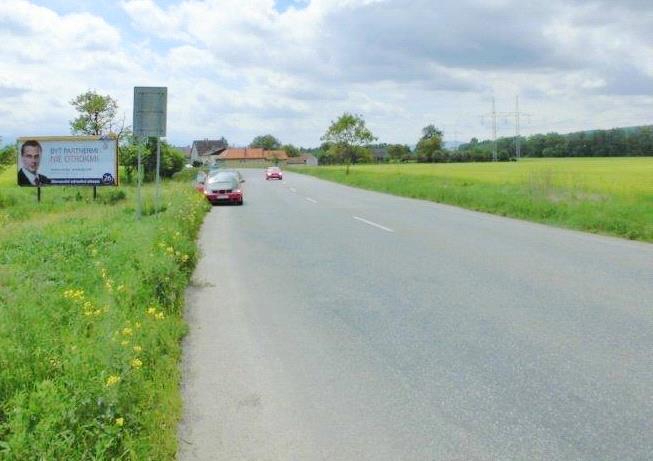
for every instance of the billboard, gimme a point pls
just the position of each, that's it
(67, 161)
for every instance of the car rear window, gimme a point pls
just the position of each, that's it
(221, 177)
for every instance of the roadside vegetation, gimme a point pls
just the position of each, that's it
(612, 196)
(91, 320)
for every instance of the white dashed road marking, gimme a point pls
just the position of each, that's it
(387, 229)
(311, 200)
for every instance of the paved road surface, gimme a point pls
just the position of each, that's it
(329, 323)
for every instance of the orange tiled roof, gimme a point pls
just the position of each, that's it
(242, 153)
(251, 153)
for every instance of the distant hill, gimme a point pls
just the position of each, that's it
(628, 130)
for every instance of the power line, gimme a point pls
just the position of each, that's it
(517, 114)
(493, 115)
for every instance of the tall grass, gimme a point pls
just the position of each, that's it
(611, 196)
(91, 321)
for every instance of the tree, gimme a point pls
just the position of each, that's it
(347, 136)
(291, 150)
(172, 159)
(8, 155)
(129, 158)
(399, 152)
(96, 114)
(429, 147)
(266, 141)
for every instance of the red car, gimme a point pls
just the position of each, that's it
(223, 188)
(273, 172)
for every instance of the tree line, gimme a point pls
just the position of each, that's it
(617, 142)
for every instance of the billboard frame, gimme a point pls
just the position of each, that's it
(72, 139)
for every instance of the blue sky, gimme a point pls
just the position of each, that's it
(282, 5)
(241, 68)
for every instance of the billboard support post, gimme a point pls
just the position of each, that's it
(150, 115)
(157, 200)
(38, 194)
(138, 185)
(94, 192)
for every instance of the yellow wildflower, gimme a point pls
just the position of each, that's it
(124, 343)
(137, 325)
(138, 349)
(160, 316)
(127, 331)
(112, 380)
(120, 421)
(151, 311)
(136, 363)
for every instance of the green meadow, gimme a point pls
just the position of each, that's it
(91, 320)
(612, 196)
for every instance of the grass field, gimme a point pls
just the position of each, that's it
(91, 320)
(605, 195)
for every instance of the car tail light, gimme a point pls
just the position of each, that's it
(237, 191)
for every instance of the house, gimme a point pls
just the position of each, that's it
(303, 159)
(207, 150)
(235, 157)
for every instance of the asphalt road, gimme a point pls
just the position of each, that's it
(329, 323)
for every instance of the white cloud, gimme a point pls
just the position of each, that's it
(239, 68)
(50, 58)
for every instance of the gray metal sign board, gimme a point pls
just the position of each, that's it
(150, 111)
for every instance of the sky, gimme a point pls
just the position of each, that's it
(242, 68)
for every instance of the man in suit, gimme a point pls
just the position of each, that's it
(30, 158)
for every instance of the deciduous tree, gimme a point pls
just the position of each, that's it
(429, 147)
(347, 136)
(266, 141)
(7, 155)
(291, 150)
(96, 114)
(399, 152)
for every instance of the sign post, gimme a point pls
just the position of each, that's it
(150, 115)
